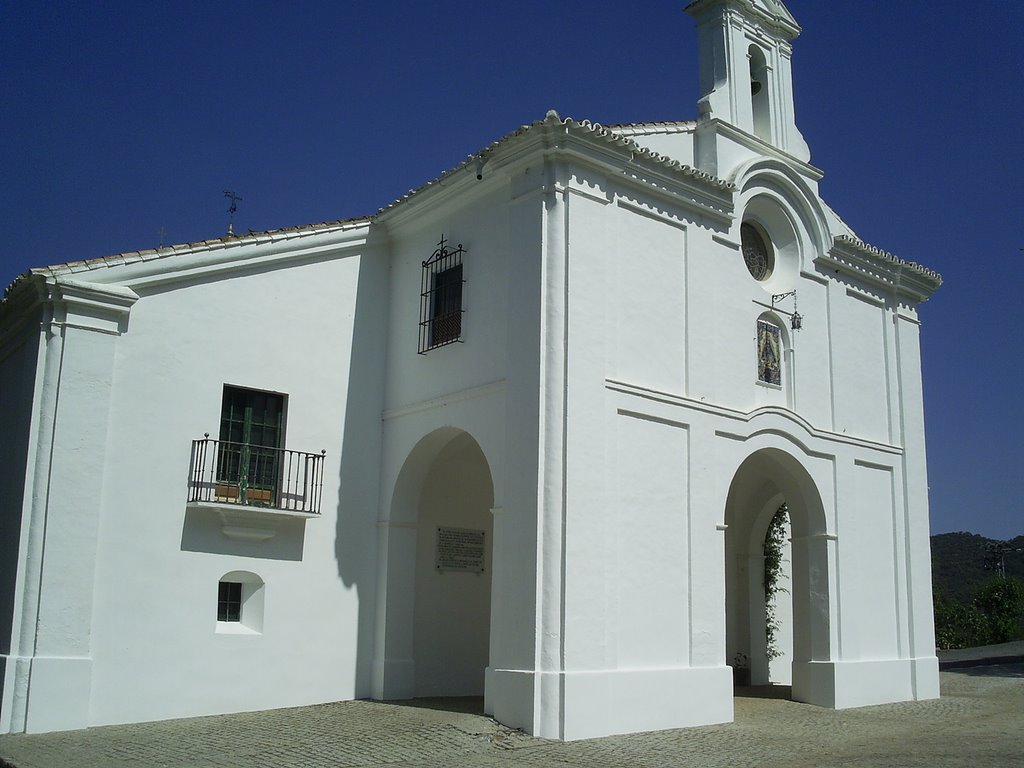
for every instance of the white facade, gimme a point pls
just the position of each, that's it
(603, 422)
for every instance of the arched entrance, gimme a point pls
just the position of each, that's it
(766, 481)
(438, 580)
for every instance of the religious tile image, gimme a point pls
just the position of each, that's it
(769, 352)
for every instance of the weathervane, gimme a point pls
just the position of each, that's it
(230, 194)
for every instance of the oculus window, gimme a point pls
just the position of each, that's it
(757, 251)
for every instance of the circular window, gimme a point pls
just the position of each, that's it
(757, 252)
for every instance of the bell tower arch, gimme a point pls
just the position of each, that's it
(746, 78)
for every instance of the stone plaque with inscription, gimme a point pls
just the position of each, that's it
(459, 549)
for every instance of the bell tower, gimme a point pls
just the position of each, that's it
(746, 78)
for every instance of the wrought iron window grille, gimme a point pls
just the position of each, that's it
(229, 601)
(441, 307)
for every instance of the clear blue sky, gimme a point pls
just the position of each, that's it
(118, 119)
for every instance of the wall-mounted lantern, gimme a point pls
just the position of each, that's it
(795, 319)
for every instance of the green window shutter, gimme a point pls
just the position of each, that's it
(250, 435)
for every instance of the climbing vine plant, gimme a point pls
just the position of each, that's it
(774, 549)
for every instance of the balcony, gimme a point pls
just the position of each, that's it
(247, 483)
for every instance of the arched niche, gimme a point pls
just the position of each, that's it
(774, 389)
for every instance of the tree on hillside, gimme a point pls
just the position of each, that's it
(1002, 604)
(996, 615)
(963, 563)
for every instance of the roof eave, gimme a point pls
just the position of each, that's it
(907, 278)
(548, 132)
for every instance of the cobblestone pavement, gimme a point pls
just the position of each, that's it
(978, 722)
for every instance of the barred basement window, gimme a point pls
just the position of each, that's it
(240, 603)
(441, 298)
(229, 601)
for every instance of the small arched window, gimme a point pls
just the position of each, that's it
(240, 603)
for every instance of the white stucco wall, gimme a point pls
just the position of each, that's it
(481, 224)
(19, 361)
(625, 459)
(128, 596)
(651, 314)
(289, 331)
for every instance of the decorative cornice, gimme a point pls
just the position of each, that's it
(761, 147)
(70, 303)
(644, 155)
(771, 14)
(753, 419)
(551, 128)
(855, 257)
(651, 129)
(204, 246)
(90, 306)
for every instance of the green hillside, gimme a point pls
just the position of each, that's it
(962, 563)
(973, 606)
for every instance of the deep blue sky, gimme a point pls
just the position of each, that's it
(118, 119)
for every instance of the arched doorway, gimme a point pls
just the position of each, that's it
(768, 481)
(438, 580)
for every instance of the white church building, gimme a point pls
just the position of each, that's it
(519, 435)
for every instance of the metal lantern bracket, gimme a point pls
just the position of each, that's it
(795, 318)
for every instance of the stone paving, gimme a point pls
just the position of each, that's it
(978, 722)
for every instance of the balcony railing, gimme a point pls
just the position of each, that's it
(255, 476)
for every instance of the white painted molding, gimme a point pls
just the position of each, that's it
(643, 210)
(484, 390)
(90, 306)
(726, 241)
(248, 533)
(761, 147)
(815, 537)
(634, 390)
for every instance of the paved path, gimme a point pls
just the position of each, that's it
(979, 722)
(984, 655)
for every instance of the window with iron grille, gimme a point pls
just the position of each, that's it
(229, 601)
(240, 603)
(441, 297)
